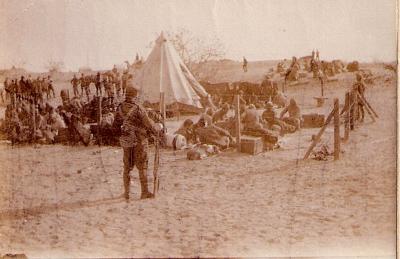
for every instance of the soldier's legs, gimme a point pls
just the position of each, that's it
(87, 90)
(127, 152)
(76, 93)
(352, 117)
(141, 161)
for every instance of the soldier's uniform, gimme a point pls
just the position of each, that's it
(75, 83)
(50, 87)
(267, 88)
(294, 118)
(98, 84)
(136, 128)
(358, 108)
(82, 83)
(124, 81)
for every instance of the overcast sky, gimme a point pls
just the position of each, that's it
(102, 33)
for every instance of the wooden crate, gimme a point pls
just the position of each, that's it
(251, 145)
(313, 120)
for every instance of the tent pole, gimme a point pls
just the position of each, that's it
(162, 96)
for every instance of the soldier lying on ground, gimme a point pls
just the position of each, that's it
(212, 134)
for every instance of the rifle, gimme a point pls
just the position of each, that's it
(157, 142)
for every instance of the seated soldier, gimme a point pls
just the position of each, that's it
(252, 121)
(221, 114)
(252, 125)
(207, 116)
(186, 130)
(294, 117)
(279, 99)
(269, 118)
(55, 120)
(273, 123)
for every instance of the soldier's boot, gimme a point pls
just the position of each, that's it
(127, 183)
(362, 113)
(143, 183)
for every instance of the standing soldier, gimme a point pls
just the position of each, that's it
(267, 88)
(117, 82)
(244, 64)
(359, 87)
(124, 81)
(21, 88)
(7, 88)
(98, 84)
(50, 87)
(82, 83)
(136, 127)
(107, 81)
(29, 88)
(75, 83)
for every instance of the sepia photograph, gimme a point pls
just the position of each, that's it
(198, 128)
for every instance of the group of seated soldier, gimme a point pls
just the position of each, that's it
(26, 122)
(29, 122)
(218, 128)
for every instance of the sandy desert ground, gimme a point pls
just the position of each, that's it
(62, 201)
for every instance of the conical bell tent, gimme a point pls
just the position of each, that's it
(164, 71)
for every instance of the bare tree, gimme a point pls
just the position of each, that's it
(54, 66)
(196, 52)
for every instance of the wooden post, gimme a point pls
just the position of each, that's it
(322, 87)
(99, 123)
(366, 103)
(347, 118)
(162, 106)
(237, 116)
(352, 105)
(34, 121)
(336, 121)
(366, 107)
(318, 137)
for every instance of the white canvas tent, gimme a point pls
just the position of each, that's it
(164, 71)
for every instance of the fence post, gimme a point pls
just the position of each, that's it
(352, 111)
(347, 118)
(336, 121)
(237, 117)
(318, 137)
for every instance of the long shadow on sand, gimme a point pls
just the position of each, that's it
(35, 211)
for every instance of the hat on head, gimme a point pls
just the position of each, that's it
(269, 104)
(131, 91)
